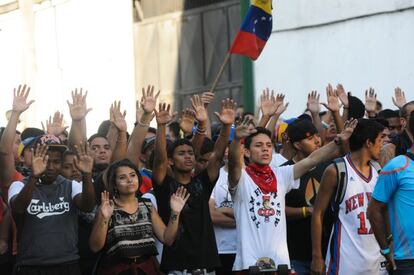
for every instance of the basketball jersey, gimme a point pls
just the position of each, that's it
(353, 248)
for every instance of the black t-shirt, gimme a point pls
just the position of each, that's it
(85, 221)
(299, 231)
(195, 244)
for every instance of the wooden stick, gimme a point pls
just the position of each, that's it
(221, 71)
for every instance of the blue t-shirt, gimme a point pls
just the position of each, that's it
(395, 187)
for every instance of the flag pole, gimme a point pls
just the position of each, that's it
(221, 71)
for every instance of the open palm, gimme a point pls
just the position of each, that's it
(178, 199)
(20, 103)
(227, 114)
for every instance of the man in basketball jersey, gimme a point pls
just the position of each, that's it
(352, 246)
(259, 191)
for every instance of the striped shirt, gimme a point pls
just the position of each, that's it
(131, 235)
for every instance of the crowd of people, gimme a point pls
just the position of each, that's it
(210, 191)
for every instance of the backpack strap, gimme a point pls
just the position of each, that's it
(342, 181)
(376, 165)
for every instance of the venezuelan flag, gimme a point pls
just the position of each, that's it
(255, 30)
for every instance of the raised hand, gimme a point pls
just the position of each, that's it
(332, 98)
(242, 129)
(39, 160)
(313, 102)
(268, 103)
(20, 96)
(349, 127)
(341, 94)
(78, 108)
(399, 99)
(207, 98)
(370, 100)
(178, 199)
(281, 107)
(149, 99)
(83, 160)
(187, 120)
(227, 114)
(117, 117)
(56, 126)
(163, 115)
(198, 106)
(107, 206)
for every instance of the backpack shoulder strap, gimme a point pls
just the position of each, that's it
(376, 165)
(342, 181)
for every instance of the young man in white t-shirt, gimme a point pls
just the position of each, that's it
(259, 193)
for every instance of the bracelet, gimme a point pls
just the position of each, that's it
(36, 178)
(84, 175)
(389, 239)
(385, 251)
(201, 131)
(345, 107)
(142, 124)
(304, 211)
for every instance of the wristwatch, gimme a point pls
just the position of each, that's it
(338, 141)
(385, 251)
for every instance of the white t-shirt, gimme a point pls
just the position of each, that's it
(277, 160)
(261, 220)
(17, 186)
(225, 237)
(158, 244)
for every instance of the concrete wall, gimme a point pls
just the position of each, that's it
(356, 43)
(66, 44)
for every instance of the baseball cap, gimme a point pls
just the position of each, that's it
(301, 129)
(24, 144)
(53, 142)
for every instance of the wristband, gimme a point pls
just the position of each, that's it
(304, 211)
(385, 251)
(389, 239)
(86, 174)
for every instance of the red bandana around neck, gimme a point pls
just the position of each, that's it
(263, 176)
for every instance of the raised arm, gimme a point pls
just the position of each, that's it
(160, 166)
(343, 97)
(226, 116)
(327, 152)
(166, 234)
(83, 161)
(54, 126)
(201, 116)
(333, 106)
(187, 121)
(20, 104)
(281, 108)
(78, 111)
(207, 98)
(399, 99)
(326, 189)
(40, 157)
(235, 152)
(268, 106)
(370, 102)
(144, 115)
(118, 120)
(314, 107)
(100, 226)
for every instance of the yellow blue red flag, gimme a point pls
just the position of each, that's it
(255, 30)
